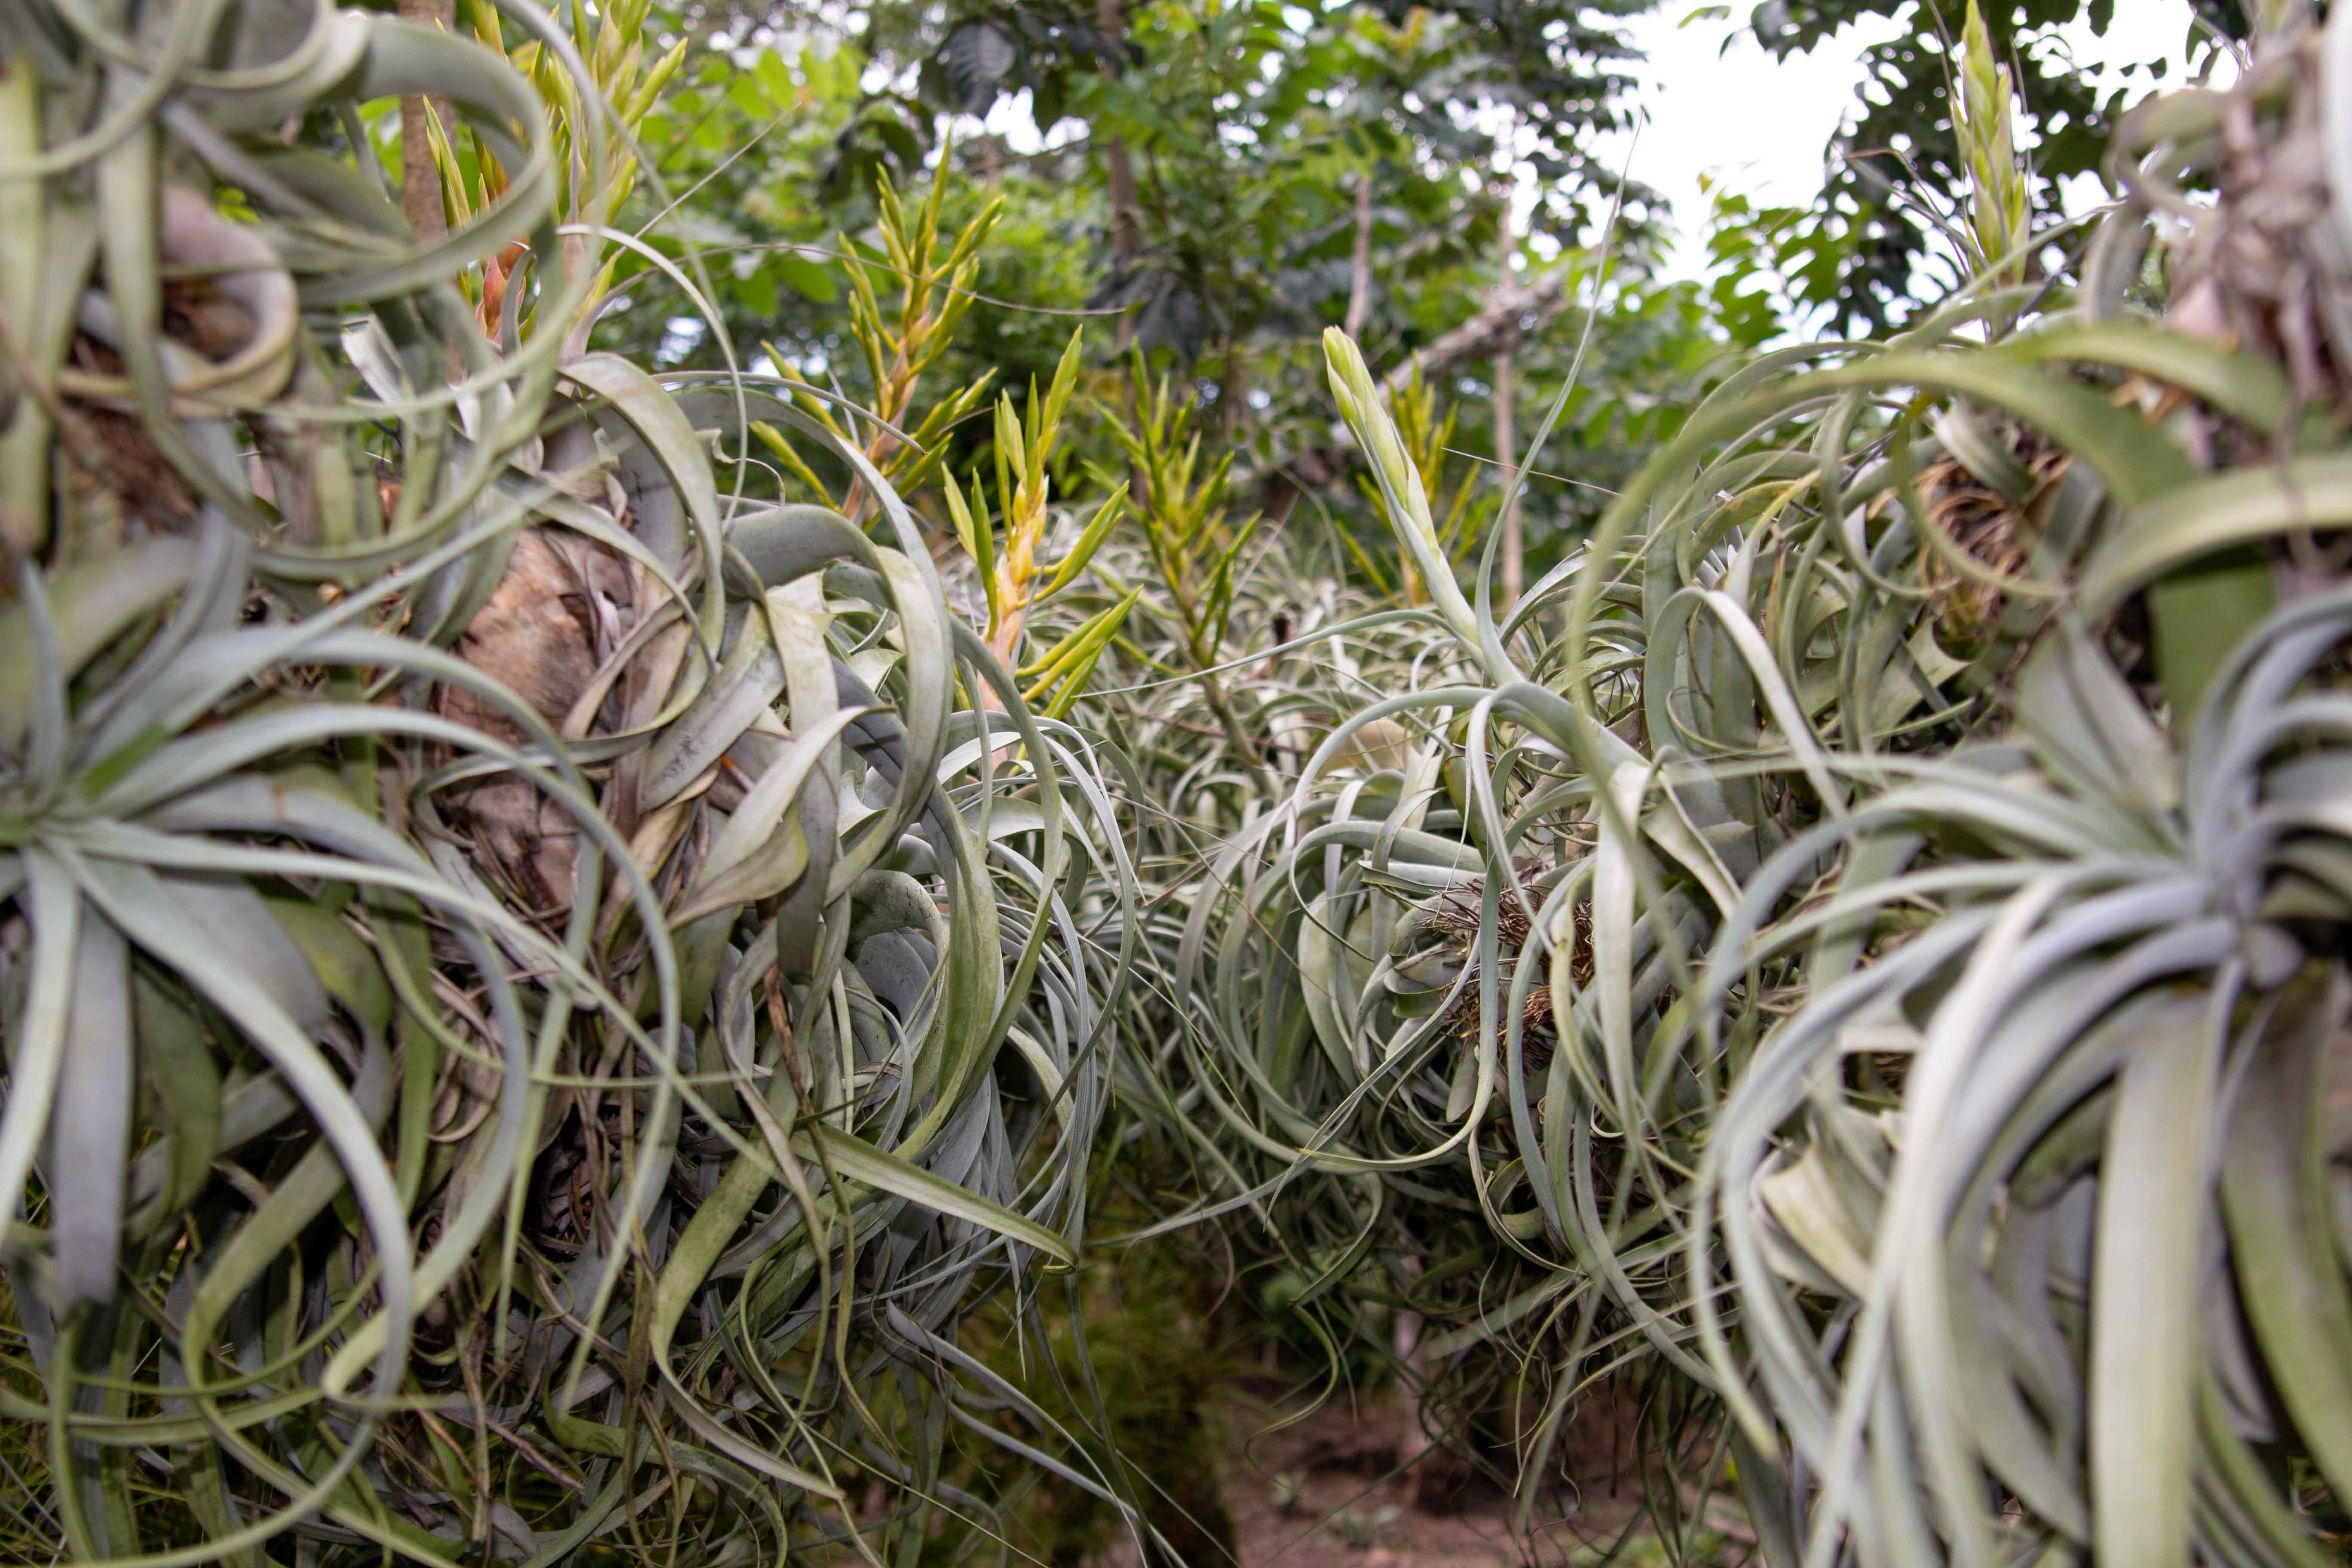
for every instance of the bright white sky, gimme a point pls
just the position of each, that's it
(1760, 127)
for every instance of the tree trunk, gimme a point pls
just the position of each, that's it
(1359, 292)
(1232, 393)
(420, 182)
(1126, 217)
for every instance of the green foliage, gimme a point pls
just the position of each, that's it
(1242, 112)
(1896, 175)
(1558, 70)
(1250, 127)
(764, 163)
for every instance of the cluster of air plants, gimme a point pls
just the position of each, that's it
(1865, 937)
(549, 969)
(531, 1012)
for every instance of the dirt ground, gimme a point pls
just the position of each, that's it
(1326, 1492)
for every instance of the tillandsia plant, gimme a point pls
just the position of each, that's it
(1845, 686)
(932, 284)
(1192, 543)
(2052, 1223)
(1428, 440)
(594, 176)
(1005, 543)
(193, 777)
(2000, 191)
(2033, 1261)
(529, 1019)
(1182, 510)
